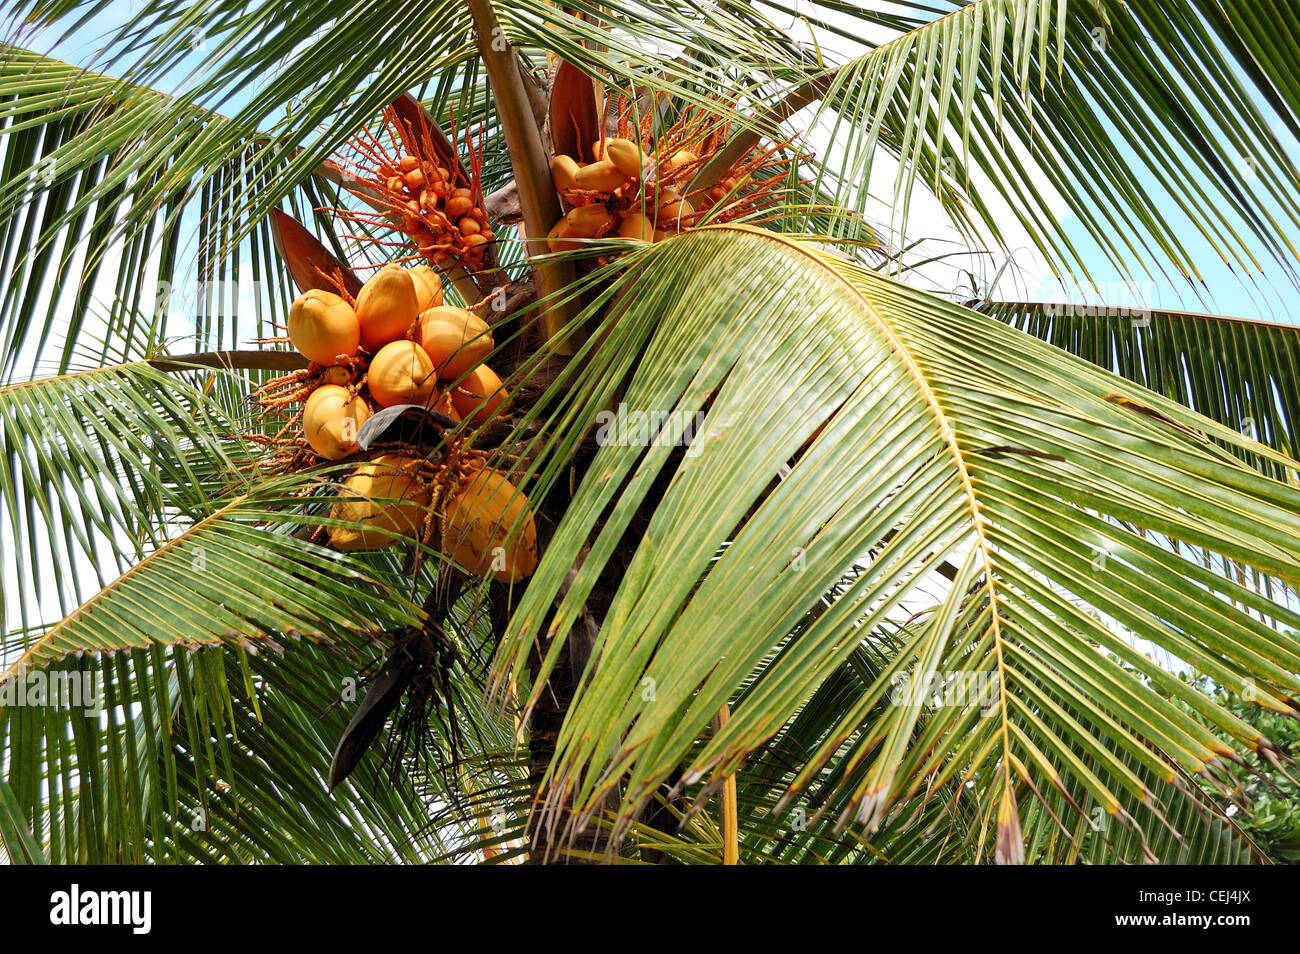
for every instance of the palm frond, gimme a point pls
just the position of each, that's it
(92, 465)
(17, 844)
(1236, 371)
(239, 571)
(1054, 488)
(221, 756)
(1149, 120)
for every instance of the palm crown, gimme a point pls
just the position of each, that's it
(889, 577)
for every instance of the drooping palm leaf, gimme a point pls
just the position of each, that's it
(236, 572)
(91, 465)
(221, 756)
(1150, 119)
(955, 439)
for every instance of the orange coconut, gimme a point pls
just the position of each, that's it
(337, 375)
(563, 170)
(637, 226)
(459, 205)
(586, 221)
(387, 306)
(490, 529)
(480, 396)
(382, 496)
(672, 208)
(454, 339)
(557, 239)
(679, 160)
(330, 421)
(601, 176)
(428, 287)
(401, 373)
(626, 155)
(323, 327)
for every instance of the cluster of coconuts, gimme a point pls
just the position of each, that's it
(490, 526)
(413, 349)
(608, 198)
(441, 217)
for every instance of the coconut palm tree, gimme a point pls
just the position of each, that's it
(835, 567)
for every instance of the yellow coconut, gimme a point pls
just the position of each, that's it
(637, 226)
(679, 160)
(454, 339)
(322, 326)
(584, 222)
(490, 529)
(626, 155)
(670, 207)
(330, 421)
(459, 205)
(387, 306)
(401, 373)
(672, 212)
(481, 396)
(589, 221)
(558, 238)
(563, 170)
(428, 287)
(382, 495)
(601, 176)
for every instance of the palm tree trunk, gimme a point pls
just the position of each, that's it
(553, 843)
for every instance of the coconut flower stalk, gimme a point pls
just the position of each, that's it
(437, 205)
(635, 184)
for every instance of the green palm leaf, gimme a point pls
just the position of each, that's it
(1238, 372)
(1128, 110)
(239, 573)
(883, 485)
(1036, 474)
(16, 840)
(95, 462)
